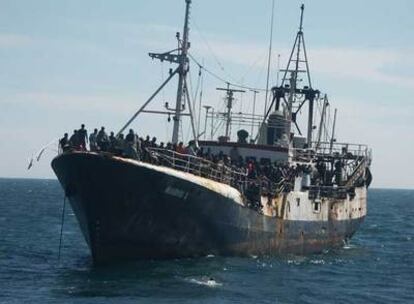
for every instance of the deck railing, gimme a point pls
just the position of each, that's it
(235, 177)
(198, 166)
(326, 149)
(341, 148)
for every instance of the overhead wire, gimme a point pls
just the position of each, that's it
(269, 56)
(192, 94)
(232, 82)
(256, 62)
(210, 49)
(218, 77)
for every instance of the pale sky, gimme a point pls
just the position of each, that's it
(63, 63)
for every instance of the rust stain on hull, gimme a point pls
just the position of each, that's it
(129, 214)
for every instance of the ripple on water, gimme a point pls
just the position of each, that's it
(209, 282)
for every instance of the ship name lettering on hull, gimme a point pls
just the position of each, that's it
(181, 194)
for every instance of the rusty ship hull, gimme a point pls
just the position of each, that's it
(132, 210)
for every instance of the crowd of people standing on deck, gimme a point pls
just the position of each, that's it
(132, 146)
(135, 147)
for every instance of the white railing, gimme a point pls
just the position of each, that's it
(341, 148)
(198, 166)
(236, 177)
(335, 149)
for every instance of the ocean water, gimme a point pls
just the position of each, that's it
(376, 267)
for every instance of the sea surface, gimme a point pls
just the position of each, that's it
(376, 267)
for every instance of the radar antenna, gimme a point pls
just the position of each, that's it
(229, 99)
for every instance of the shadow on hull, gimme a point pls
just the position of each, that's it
(128, 210)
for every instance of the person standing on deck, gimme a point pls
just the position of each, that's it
(191, 149)
(113, 142)
(146, 142)
(120, 144)
(64, 143)
(92, 140)
(74, 140)
(153, 143)
(130, 147)
(83, 137)
(102, 139)
(180, 148)
(234, 154)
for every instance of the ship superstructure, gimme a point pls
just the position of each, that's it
(273, 192)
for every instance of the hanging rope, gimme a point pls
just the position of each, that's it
(61, 226)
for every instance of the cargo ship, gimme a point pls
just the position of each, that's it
(276, 192)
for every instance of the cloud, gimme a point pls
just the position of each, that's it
(14, 40)
(363, 64)
(377, 65)
(391, 66)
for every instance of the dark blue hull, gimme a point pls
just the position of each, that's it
(128, 211)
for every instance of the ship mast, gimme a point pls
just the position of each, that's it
(183, 96)
(182, 74)
(289, 91)
(298, 46)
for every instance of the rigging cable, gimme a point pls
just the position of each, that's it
(254, 65)
(167, 133)
(213, 74)
(188, 103)
(215, 57)
(192, 96)
(200, 100)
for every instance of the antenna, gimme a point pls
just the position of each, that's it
(269, 58)
(278, 70)
(229, 99)
(205, 121)
(325, 104)
(333, 133)
(255, 92)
